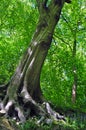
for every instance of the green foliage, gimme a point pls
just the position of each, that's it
(16, 30)
(57, 74)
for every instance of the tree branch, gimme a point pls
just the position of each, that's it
(73, 30)
(67, 23)
(62, 41)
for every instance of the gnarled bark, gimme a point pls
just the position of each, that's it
(24, 96)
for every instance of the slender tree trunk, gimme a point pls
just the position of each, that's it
(74, 87)
(24, 93)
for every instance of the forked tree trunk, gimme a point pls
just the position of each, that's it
(24, 93)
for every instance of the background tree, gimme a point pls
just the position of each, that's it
(60, 59)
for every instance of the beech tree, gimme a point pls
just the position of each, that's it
(22, 96)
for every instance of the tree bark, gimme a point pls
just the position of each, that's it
(74, 87)
(23, 92)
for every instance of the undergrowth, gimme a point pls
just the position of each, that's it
(32, 124)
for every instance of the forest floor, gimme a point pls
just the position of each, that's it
(74, 121)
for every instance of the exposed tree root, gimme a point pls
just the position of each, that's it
(20, 106)
(30, 108)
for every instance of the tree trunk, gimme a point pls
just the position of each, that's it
(74, 87)
(23, 92)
